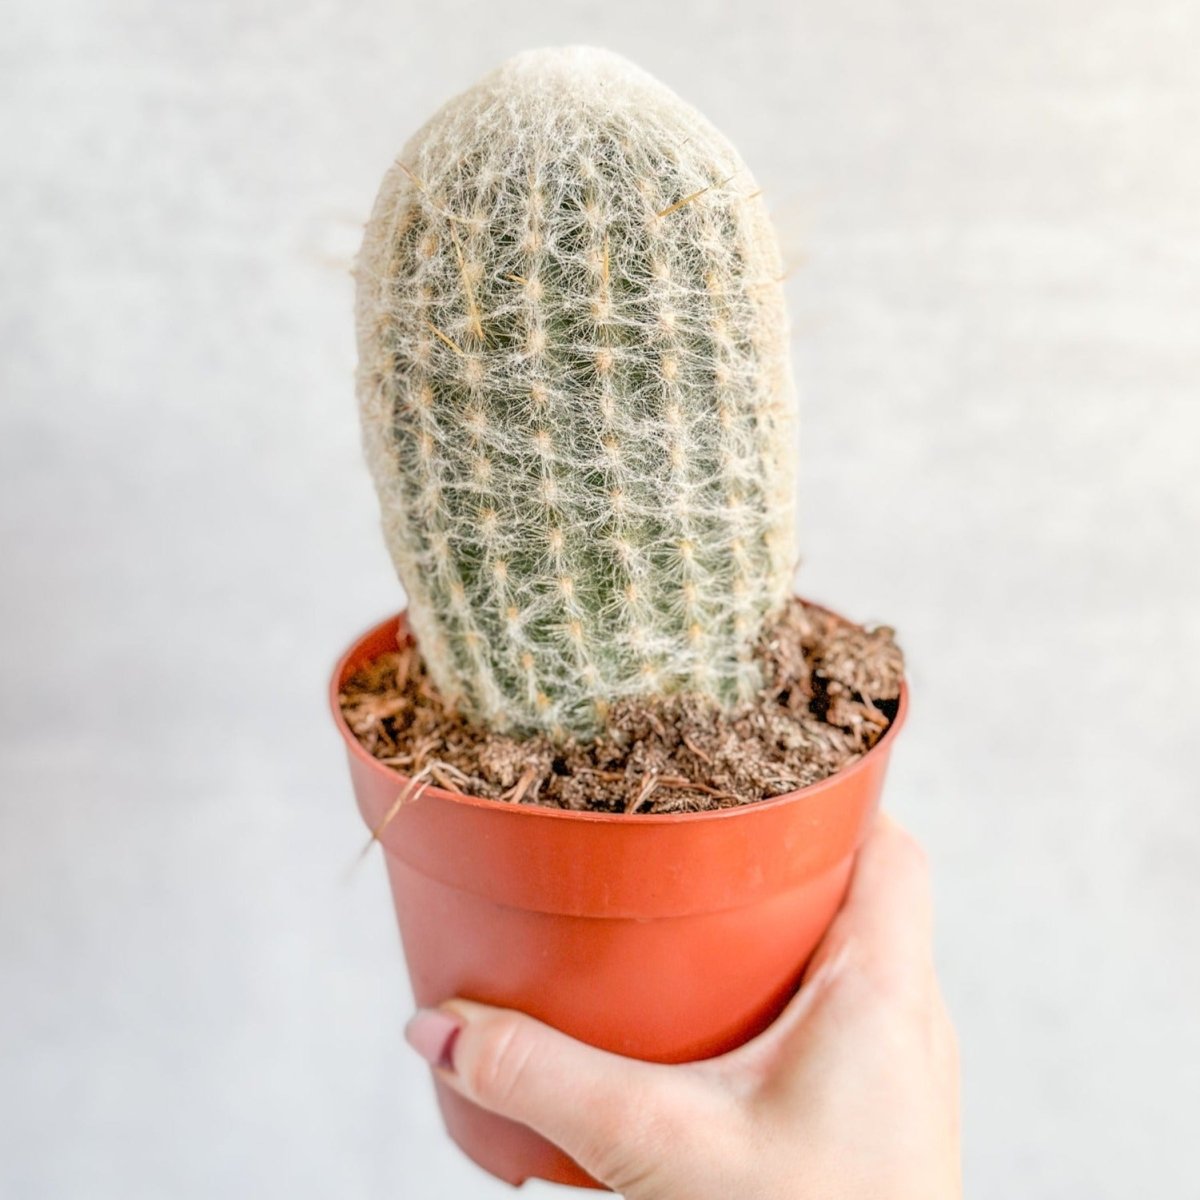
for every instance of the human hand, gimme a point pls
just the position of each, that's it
(852, 1094)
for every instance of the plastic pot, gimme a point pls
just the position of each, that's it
(667, 937)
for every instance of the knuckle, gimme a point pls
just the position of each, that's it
(896, 990)
(948, 1036)
(954, 1050)
(911, 851)
(494, 1071)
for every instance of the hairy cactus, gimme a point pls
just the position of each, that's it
(575, 395)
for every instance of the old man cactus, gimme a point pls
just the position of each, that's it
(575, 395)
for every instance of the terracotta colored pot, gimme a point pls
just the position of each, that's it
(665, 937)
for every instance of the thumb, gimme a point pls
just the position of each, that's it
(618, 1118)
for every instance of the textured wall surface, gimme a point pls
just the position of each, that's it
(991, 213)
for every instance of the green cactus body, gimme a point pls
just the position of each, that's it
(575, 395)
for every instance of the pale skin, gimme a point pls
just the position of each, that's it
(852, 1094)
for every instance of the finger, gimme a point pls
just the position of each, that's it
(885, 925)
(881, 935)
(615, 1116)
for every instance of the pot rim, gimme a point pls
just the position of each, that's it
(540, 811)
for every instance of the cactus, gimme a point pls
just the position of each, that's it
(575, 395)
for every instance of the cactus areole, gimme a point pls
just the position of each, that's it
(575, 395)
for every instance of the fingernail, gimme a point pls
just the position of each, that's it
(432, 1033)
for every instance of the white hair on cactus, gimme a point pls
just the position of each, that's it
(575, 395)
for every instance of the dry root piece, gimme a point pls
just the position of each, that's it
(830, 691)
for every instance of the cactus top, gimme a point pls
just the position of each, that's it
(575, 395)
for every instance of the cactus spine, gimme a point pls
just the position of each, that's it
(575, 395)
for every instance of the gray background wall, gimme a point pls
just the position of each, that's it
(992, 217)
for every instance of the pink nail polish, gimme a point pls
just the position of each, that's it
(432, 1034)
